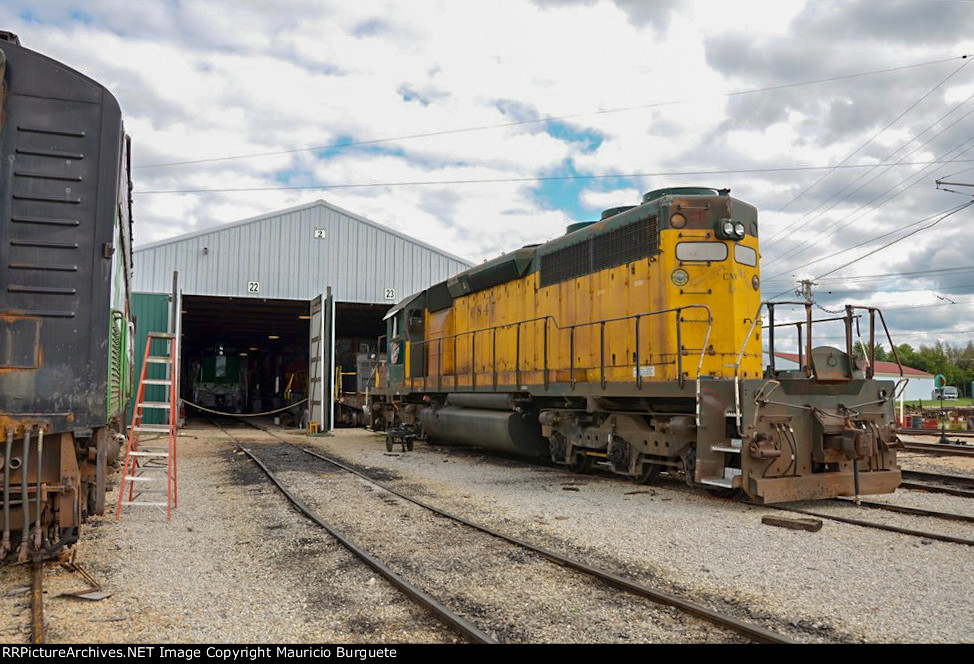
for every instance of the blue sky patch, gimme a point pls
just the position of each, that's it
(585, 140)
(344, 139)
(79, 16)
(565, 195)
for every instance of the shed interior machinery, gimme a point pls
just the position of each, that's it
(252, 355)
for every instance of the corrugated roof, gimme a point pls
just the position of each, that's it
(296, 254)
(307, 206)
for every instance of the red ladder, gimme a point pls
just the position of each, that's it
(146, 465)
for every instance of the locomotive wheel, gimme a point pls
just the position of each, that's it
(650, 472)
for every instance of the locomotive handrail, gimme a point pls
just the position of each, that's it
(810, 367)
(754, 322)
(549, 319)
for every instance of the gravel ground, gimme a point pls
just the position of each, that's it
(512, 594)
(843, 583)
(236, 564)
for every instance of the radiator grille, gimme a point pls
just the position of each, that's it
(600, 252)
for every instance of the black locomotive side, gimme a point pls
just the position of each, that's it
(65, 323)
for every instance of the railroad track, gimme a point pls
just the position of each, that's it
(748, 630)
(935, 432)
(940, 449)
(938, 483)
(966, 489)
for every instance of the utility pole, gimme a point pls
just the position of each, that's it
(804, 290)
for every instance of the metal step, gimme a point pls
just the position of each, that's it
(158, 359)
(153, 469)
(155, 404)
(149, 454)
(736, 444)
(161, 335)
(152, 428)
(140, 502)
(157, 381)
(718, 481)
(728, 481)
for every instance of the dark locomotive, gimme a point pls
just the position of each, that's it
(635, 343)
(65, 325)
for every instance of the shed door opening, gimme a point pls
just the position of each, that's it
(357, 330)
(244, 355)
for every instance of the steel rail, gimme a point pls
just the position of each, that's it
(938, 488)
(37, 603)
(940, 449)
(914, 511)
(958, 480)
(909, 431)
(962, 486)
(455, 621)
(755, 632)
(871, 524)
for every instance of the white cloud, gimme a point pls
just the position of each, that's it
(213, 79)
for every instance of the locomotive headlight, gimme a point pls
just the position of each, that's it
(755, 282)
(727, 228)
(678, 221)
(679, 277)
(739, 231)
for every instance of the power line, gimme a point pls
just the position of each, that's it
(889, 244)
(952, 289)
(918, 175)
(866, 143)
(520, 123)
(944, 215)
(872, 277)
(917, 178)
(780, 169)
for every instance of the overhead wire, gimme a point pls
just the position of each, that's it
(556, 118)
(917, 177)
(883, 169)
(866, 143)
(943, 215)
(574, 176)
(889, 244)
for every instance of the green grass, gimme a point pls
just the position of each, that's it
(963, 402)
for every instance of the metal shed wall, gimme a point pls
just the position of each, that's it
(358, 258)
(151, 311)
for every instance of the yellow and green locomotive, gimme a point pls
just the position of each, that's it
(635, 342)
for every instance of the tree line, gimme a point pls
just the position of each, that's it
(956, 363)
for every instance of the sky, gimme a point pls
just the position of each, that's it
(479, 127)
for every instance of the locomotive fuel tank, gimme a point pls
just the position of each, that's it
(508, 432)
